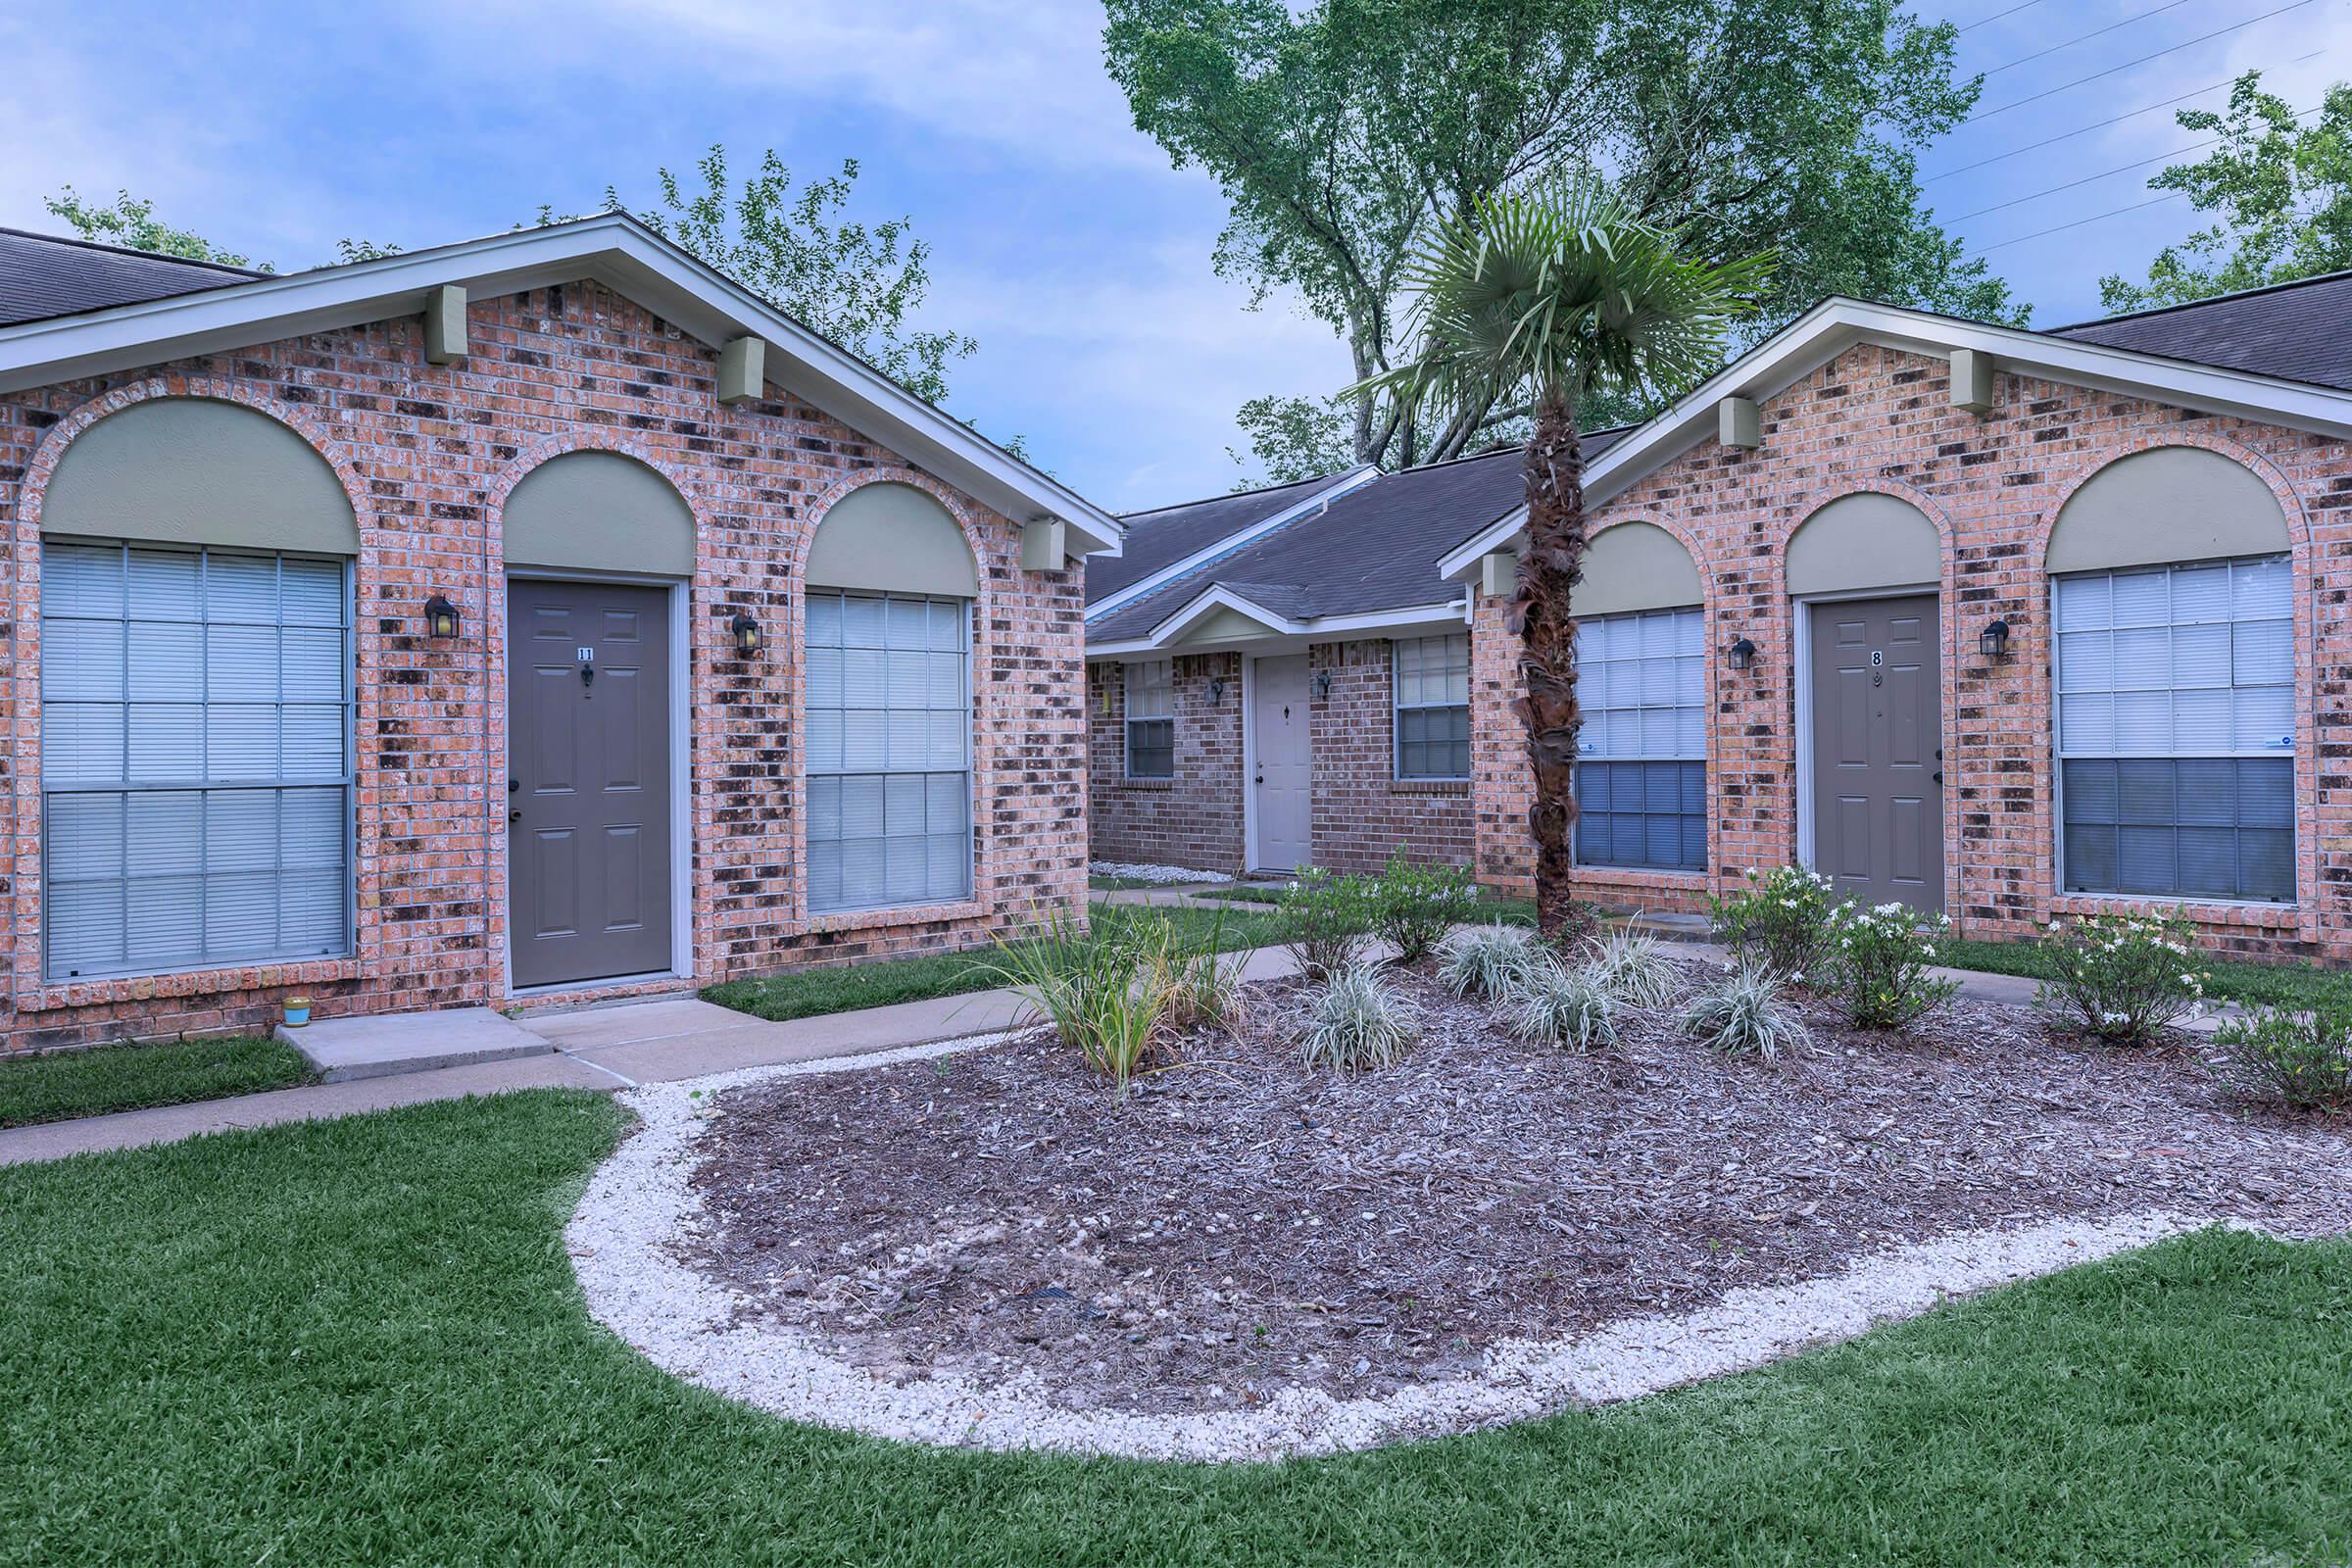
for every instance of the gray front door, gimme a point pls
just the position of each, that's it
(588, 868)
(1878, 750)
(1284, 778)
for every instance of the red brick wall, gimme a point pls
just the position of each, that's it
(429, 454)
(1880, 419)
(1194, 819)
(1363, 812)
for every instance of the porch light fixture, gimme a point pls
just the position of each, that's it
(440, 617)
(1741, 654)
(746, 633)
(1993, 641)
(1322, 684)
(1216, 690)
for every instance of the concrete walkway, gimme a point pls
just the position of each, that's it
(606, 1048)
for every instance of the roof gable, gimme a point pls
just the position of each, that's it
(612, 249)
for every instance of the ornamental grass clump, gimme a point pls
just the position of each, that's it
(1202, 981)
(1325, 920)
(1780, 922)
(1487, 962)
(1559, 1005)
(1747, 1014)
(2119, 977)
(1413, 907)
(1633, 967)
(1878, 961)
(1106, 992)
(1358, 1021)
(2300, 1057)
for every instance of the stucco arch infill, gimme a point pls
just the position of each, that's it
(889, 536)
(2170, 500)
(1637, 563)
(1863, 539)
(598, 509)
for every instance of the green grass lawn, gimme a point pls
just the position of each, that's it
(2291, 984)
(359, 1340)
(91, 1083)
(1491, 907)
(813, 993)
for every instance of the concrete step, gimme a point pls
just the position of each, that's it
(340, 1050)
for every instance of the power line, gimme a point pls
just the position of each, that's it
(2068, 86)
(2060, 228)
(1998, 15)
(2120, 169)
(2098, 125)
(2169, 5)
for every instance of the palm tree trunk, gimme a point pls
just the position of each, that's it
(1549, 573)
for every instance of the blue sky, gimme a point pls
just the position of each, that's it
(1060, 236)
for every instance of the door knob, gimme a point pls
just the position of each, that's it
(1261, 779)
(515, 815)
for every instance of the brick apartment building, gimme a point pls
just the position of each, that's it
(542, 618)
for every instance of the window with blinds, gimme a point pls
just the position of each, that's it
(1432, 678)
(1641, 772)
(195, 759)
(1151, 719)
(889, 737)
(2176, 730)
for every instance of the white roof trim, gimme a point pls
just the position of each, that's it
(612, 249)
(1231, 542)
(1836, 325)
(1164, 637)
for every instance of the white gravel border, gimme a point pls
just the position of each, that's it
(1159, 875)
(640, 1203)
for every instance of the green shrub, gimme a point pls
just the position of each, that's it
(2302, 1056)
(1487, 961)
(1105, 994)
(2119, 977)
(1202, 979)
(1559, 1005)
(1778, 923)
(1325, 920)
(1413, 906)
(1747, 1014)
(1877, 962)
(1358, 1021)
(1633, 966)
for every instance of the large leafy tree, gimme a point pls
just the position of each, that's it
(130, 222)
(1339, 129)
(1545, 298)
(2283, 190)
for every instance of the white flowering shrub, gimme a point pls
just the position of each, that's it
(2121, 977)
(1878, 961)
(2301, 1056)
(1778, 923)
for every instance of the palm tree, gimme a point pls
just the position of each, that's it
(1535, 299)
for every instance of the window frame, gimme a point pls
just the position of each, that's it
(2290, 754)
(968, 772)
(1398, 707)
(1129, 718)
(346, 781)
(1703, 761)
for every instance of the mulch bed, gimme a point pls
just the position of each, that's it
(1242, 1224)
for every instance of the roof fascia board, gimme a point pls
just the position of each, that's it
(612, 249)
(1831, 328)
(1321, 628)
(1226, 546)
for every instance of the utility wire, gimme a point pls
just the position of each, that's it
(2060, 228)
(2098, 125)
(2120, 169)
(2012, 64)
(2068, 86)
(1998, 15)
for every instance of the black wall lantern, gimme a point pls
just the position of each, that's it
(440, 617)
(1741, 654)
(1216, 690)
(1322, 684)
(746, 633)
(1993, 641)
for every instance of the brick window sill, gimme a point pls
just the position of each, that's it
(2258, 916)
(1147, 785)
(1634, 876)
(56, 995)
(1429, 786)
(901, 915)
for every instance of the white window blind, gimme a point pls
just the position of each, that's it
(1432, 678)
(2176, 729)
(195, 759)
(890, 728)
(1151, 719)
(1640, 773)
